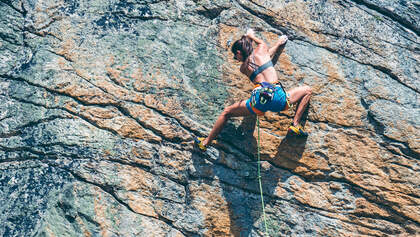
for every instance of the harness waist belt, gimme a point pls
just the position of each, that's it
(260, 69)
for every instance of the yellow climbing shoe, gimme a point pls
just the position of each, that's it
(298, 130)
(199, 142)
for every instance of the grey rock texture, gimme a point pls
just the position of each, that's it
(100, 101)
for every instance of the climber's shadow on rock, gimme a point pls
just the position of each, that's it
(238, 173)
(226, 166)
(290, 150)
(241, 136)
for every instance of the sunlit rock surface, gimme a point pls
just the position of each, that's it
(100, 101)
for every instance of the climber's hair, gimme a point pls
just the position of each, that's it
(244, 45)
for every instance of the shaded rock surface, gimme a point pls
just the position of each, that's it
(100, 101)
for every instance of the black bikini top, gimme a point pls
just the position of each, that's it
(260, 69)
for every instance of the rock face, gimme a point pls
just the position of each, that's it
(100, 101)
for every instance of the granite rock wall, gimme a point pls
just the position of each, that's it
(100, 101)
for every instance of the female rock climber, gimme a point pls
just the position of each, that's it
(268, 94)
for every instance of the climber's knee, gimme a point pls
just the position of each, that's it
(308, 91)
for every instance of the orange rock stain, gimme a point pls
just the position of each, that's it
(142, 205)
(215, 210)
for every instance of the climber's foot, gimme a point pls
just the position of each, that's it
(198, 141)
(298, 130)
